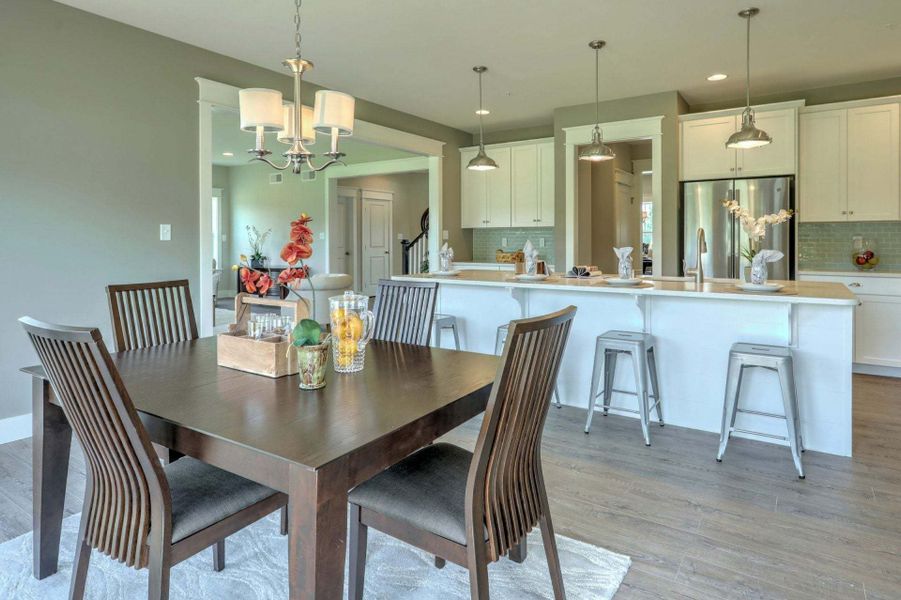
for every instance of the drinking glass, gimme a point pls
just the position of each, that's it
(352, 324)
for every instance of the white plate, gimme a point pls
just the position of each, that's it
(527, 277)
(446, 273)
(759, 287)
(624, 282)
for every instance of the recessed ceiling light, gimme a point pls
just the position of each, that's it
(228, 154)
(483, 111)
(717, 77)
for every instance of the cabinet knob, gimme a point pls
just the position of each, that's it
(850, 212)
(844, 212)
(731, 168)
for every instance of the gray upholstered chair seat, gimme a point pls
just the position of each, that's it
(427, 490)
(203, 495)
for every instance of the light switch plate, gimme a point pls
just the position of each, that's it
(165, 232)
(321, 235)
(541, 242)
(445, 235)
(503, 242)
(400, 237)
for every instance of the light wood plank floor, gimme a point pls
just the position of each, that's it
(746, 528)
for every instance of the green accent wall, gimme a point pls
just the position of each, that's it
(100, 130)
(485, 242)
(827, 246)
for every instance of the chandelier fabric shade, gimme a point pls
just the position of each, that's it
(260, 107)
(333, 110)
(308, 134)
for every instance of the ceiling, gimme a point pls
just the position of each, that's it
(228, 137)
(417, 56)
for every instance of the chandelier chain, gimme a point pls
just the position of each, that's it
(297, 36)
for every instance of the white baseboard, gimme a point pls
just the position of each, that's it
(877, 370)
(15, 428)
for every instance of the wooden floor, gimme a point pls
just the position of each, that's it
(746, 528)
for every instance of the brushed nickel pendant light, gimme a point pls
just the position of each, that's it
(597, 150)
(481, 161)
(749, 136)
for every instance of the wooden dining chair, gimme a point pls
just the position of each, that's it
(404, 310)
(151, 314)
(136, 510)
(474, 508)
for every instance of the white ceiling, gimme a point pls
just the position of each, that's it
(416, 56)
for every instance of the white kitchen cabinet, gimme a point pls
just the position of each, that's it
(519, 193)
(703, 153)
(849, 164)
(873, 148)
(823, 166)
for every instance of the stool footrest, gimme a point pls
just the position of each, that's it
(626, 392)
(760, 413)
(760, 433)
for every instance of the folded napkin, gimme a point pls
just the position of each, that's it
(584, 271)
(530, 255)
(624, 267)
(446, 258)
(759, 271)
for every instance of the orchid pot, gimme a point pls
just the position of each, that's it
(312, 363)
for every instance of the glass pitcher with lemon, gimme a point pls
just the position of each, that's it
(352, 324)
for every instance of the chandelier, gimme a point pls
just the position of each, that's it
(262, 111)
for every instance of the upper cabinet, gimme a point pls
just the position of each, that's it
(519, 193)
(849, 164)
(703, 153)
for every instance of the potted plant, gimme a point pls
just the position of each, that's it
(755, 228)
(256, 241)
(312, 353)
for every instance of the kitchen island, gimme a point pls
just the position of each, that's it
(693, 331)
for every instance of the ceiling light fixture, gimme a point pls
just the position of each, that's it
(483, 111)
(228, 154)
(596, 151)
(262, 111)
(481, 161)
(748, 136)
(717, 77)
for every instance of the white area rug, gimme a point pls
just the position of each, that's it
(256, 569)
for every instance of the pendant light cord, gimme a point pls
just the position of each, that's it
(597, 88)
(747, 62)
(481, 130)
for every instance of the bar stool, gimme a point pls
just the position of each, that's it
(640, 346)
(499, 339)
(772, 358)
(442, 322)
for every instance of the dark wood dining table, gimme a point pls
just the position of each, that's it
(314, 446)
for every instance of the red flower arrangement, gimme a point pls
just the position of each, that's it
(298, 248)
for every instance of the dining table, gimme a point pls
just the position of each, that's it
(313, 445)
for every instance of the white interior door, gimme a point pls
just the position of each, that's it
(343, 235)
(377, 232)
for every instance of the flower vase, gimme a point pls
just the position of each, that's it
(311, 365)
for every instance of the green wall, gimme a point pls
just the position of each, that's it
(100, 130)
(827, 246)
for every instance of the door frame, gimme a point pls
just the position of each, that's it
(380, 196)
(216, 94)
(354, 233)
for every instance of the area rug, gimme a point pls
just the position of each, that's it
(256, 569)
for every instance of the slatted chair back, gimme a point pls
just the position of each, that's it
(505, 489)
(150, 314)
(124, 484)
(404, 310)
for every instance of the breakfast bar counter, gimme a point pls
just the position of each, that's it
(693, 330)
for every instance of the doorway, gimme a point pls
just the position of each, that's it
(376, 235)
(344, 235)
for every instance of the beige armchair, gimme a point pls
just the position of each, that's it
(325, 285)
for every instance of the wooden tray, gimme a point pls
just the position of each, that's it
(268, 356)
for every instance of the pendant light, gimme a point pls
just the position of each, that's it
(481, 161)
(596, 151)
(748, 136)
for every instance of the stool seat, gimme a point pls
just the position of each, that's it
(640, 346)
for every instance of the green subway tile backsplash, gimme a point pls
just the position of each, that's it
(485, 242)
(827, 246)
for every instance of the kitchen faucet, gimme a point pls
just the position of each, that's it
(698, 271)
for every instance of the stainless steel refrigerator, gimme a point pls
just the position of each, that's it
(702, 206)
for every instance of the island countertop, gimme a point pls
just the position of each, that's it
(794, 292)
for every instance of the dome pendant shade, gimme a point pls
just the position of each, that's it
(481, 162)
(597, 150)
(748, 136)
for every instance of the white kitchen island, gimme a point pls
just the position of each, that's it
(693, 331)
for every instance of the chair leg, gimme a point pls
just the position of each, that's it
(610, 359)
(158, 577)
(595, 382)
(456, 338)
(790, 402)
(478, 580)
(283, 525)
(639, 362)
(439, 562)
(730, 403)
(357, 556)
(550, 550)
(557, 397)
(520, 551)
(655, 384)
(80, 568)
(219, 556)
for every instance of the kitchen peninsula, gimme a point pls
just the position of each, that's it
(693, 331)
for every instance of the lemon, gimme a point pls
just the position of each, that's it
(340, 329)
(337, 315)
(345, 360)
(355, 325)
(347, 347)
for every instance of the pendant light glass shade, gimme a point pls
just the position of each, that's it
(748, 136)
(308, 134)
(597, 151)
(333, 110)
(260, 107)
(481, 161)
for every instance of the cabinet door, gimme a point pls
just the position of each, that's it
(777, 158)
(546, 174)
(873, 147)
(704, 154)
(498, 205)
(473, 193)
(524, 182)
(823, 166)
(877, 328)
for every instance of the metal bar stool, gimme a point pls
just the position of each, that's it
(640, 346)
(772, 358)
(443, 322)
(500, 339)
